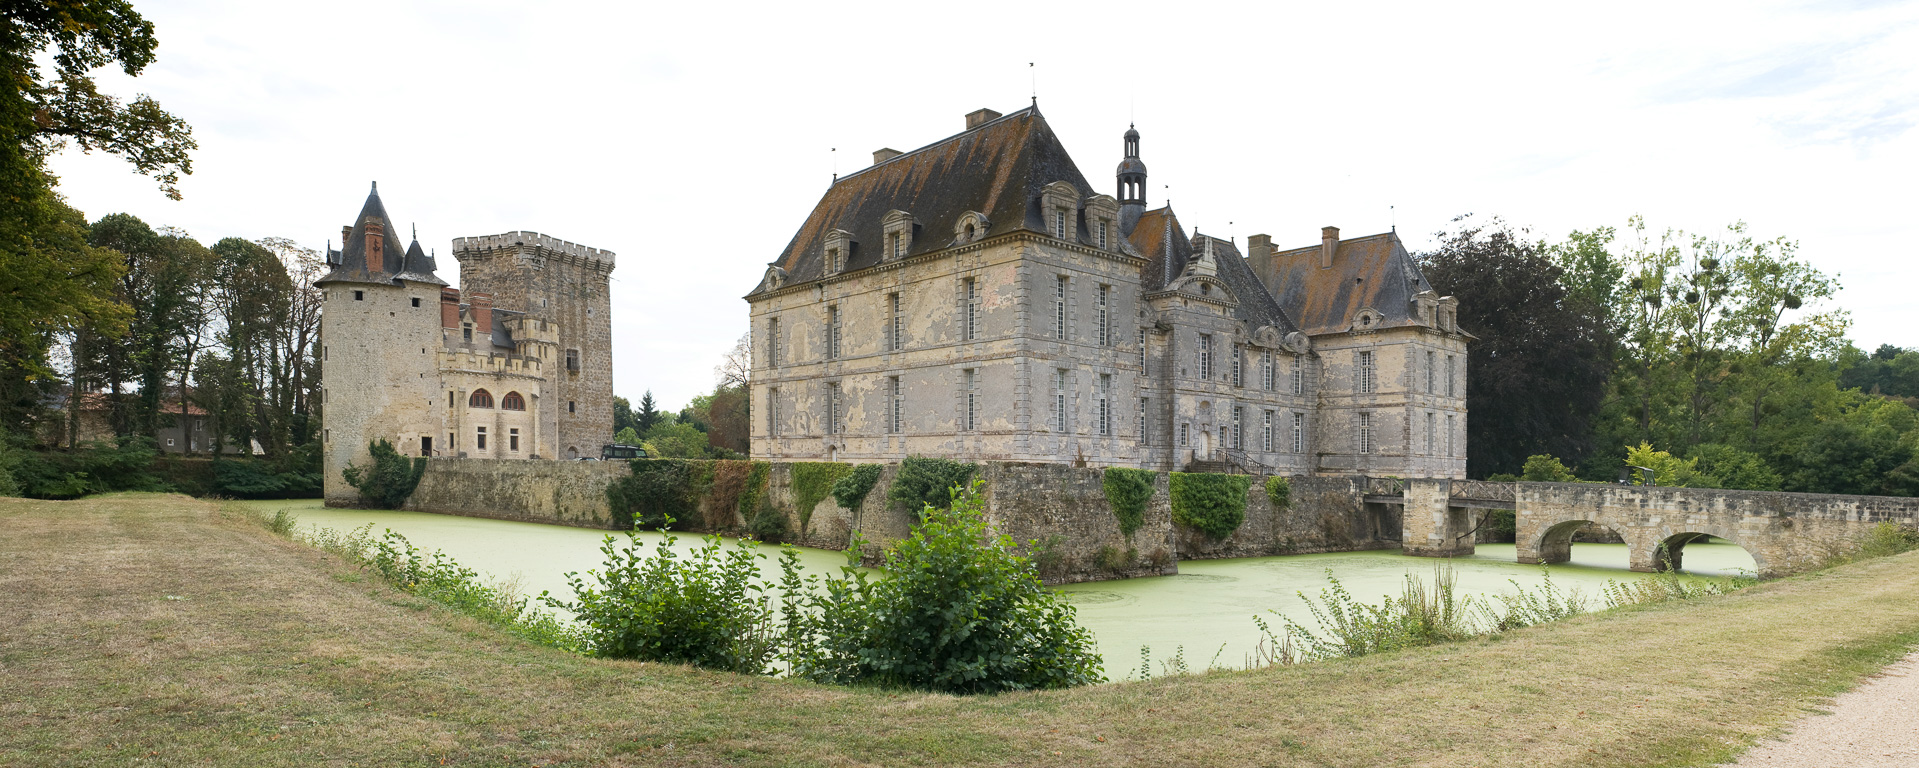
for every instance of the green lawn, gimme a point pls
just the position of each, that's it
(144, 629)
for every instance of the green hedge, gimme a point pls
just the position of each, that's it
(1128, 490)
(924, 481)
(1212, 504)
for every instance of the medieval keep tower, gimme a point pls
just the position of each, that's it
(515, 364)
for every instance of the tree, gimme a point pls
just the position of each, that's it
(648, 415)
(166, 274)
(1540, 362)
(736, 367)
(623, 418)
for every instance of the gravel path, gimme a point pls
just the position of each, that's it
(1873, 726)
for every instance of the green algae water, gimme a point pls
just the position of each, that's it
(1204, 613)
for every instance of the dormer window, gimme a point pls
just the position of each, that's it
(1061, 200)
(1102, 220)
(970, 227)
(898, 226)
(838, 251)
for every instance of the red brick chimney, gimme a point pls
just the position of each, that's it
(482, 304)
(375, 247)
(449, 307)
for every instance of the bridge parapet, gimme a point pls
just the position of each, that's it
(1484, 490)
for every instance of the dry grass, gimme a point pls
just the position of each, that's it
(274, 654)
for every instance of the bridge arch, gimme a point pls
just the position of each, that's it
(1554, 544)
(1668, 550)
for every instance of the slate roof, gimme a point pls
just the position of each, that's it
(997, 169)
(1159, 228)
(1373, 271)
(349, 265)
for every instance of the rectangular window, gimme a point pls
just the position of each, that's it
(898, 408)
(1059, 223)
(1364, 377)
(1451, 438)
(1365, 432)
(1059, 400)
(1102, 234)
(569, 406)
(1239, 434)
(479, 439)
(899, 246)
(1431, 373)
(833, 263)
(1142, 349)
(971, 329)
(1184, 427)
(772, 342)
(971, 420)
(1205, 356)
(1059, 308)
(572, 359)
(426, 445)
(1299, 377)
(449, 398)
(451, 442)
(1450, 392)
(773, 412)
(359, 295)
(466, 332)
(1266, 370)
(833, 408)
(416, 302)
(1238, 378)
(833, 332)
(1105, 335)
(513, 440)
(896, 333)
(1105, 404)
(1144, 436)
(1266, 433)
(1299, 432)
(1432, 433)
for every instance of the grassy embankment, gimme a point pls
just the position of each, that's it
(158, 630)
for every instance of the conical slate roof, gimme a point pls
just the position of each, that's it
(393, 263)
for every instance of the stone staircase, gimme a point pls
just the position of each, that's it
(1219, 466)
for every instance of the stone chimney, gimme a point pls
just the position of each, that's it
(375, 247)
(884, 154)
(1328, 244)
(979, 117)
(482, 304)
(449, 308)
(346, 233)
(1259, 256)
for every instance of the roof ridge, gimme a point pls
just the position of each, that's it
(982, 126)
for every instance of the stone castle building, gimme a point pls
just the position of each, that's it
(977, 299)
(515, 364)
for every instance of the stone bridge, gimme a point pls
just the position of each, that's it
(1784, 532)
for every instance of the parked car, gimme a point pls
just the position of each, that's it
(621, 452)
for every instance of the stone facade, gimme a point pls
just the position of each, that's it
(976, 299)
(518, 366)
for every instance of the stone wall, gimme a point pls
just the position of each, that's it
(1058, 512)
(553, 492)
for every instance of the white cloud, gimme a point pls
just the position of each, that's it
(692, 139)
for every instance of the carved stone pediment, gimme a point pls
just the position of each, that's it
(773, 280)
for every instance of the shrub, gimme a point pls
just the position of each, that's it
(1128, 490)
(1888, 538)
(812, 482)
(958, 611)
(1498, 526)
(262, 479)
(1279, 491)
(1543, 468)
(389, 480)
(1213, 504)
(701, 608)
(659, 491)
(850, 490)
(1668, 470)
(767, 522)
(1112, 559)
(928, 482)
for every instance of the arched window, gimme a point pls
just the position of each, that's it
(480, 399)
(513, 402)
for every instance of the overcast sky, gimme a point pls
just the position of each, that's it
(693, 138)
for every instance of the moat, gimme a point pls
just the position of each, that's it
(1210, 602)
